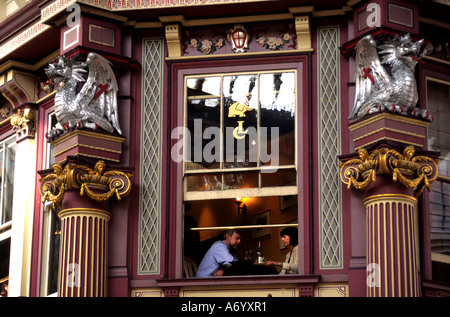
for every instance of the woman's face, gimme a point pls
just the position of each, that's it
(286, 240)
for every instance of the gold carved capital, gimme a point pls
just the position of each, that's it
(412, 171)
(97, 184)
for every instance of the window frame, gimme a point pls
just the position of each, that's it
(439, 72)
(436, 256)
(48, 215)
(179, 70)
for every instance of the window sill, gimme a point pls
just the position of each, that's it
(240, 280)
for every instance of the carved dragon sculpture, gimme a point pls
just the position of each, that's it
(376, 90)
(92, 106)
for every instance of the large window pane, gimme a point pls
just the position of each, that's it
(438, 102)
(278, 111)
(238, 127)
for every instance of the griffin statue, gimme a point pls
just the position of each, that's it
(376, 90)
(93, 105)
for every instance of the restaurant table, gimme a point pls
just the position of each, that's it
(249, 268)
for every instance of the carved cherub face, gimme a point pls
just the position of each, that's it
(409, 152)
(363, 155)
(100, 167)
(57, 169)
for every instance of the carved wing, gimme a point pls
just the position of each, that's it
(100, 89)
(370, 75)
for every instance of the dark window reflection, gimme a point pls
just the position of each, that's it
(240, 122)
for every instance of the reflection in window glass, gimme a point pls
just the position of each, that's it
(240, 122)
(55, 234)
(279, 106)
(53, 124)
(204, 150)
(7, 157)
(204, 86)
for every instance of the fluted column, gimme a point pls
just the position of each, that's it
(82, 194)
(392, 250)
(392, 181)
(84, 253)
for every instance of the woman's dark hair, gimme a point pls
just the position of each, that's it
(292, 232)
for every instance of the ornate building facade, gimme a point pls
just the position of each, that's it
(134, 133)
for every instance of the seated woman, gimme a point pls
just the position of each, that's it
(289, 237)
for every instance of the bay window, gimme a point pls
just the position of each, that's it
(238, 146)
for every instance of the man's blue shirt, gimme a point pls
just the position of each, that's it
(217, 257)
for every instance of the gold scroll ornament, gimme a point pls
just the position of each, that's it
(95, 183)
(412, 171)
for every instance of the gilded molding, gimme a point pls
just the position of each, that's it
(24, 122)
(412, 171)
(96, 184)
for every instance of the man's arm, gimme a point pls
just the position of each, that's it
(224, 258)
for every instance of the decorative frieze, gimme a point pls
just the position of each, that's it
(242, 39)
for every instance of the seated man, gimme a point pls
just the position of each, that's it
(220, 255)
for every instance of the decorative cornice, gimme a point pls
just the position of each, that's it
(412, 171)
(55, 12)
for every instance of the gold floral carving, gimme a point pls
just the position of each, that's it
(412, 171)
(97, 184)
